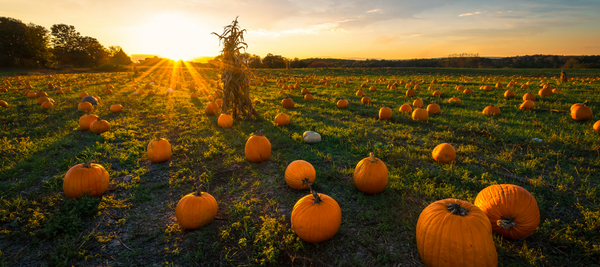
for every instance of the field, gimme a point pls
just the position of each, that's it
(133, 224)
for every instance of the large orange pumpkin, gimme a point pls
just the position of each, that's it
(360, 93)
(512, 211)
(282, 119)
(85, 106)
(86, 120)
(527, 105)
(116, 108)
(258, 148)
(296, 173)
(211, 108)
(420, 114)
(370, 175)
(225, 120)
(342, 103)
(159, 149)
(433, 108)
(86, 178)
(385, 113)
(491, 110)
(405, 108)
(529, 96)
(581, 112)
(365, 100)
(287, 102)
(196, 209)
(99, 126)
(596, 126)
(316, 217)
(453, 232)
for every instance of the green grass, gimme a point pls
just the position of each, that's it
(134, 223)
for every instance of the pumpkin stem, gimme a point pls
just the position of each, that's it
(506, 223)
(199, 190)
(260, 132)
(158, 136)
(456, 209)
(88, 164)
(372, 157)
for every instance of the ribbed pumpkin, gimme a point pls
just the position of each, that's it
(196, 209)
(316, 217)
(385, 113)
(433, 108)
(99, 126)
(296, 173)
(581, 112)
(405, 108)
(342, 103)
(86, 120)
(512, 211)
(365, 100)
(444, 153)
(453, 232)
(258, 148)
(282, 119)
(159, 149)
(225, 120)
(360, 93)
(527, 105)
(417, 103)
(491, 110)
(410, 92)
(85, 178)
(420, 114)
(529, 96)
(287, 102)
(308, 97)
(116, 108)
(509, 94)
(370, 175)
(211, 108)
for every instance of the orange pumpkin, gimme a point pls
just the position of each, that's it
(437, 93)
(308, 97)
(316, 217)
(454, 99)
(444, 153)
(258, 148)
(596, 126)
(365, 100)
(360, 93)
(410, 92)
(373, 88)
(546, 91)
(509, 94)
(420, 114)
(48, 104)
(282, 119)
(581, 112)
(461, 224)
(385, 113)
(85, 106)
(99, 126)
(418, 103)
(86, 120)
(527, 105)
(529, 96)
(342, 103)
(433, 108)
(405, 108)
(211, 108)
(491, 110)
(85, 178)
(370, 175)
(116, 108)
(159, 149)
(225, 120)
(296, 173)
(512, 211)
(3, 104)
(196, 209)
(287, 102)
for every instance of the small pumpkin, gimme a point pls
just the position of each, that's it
(287, 102)
(86, 178)
(370, 175)
(512, 211)
(509, 94)
(385, 113)
(405, 108)
(225, 120)
(99, 126)
(316, 217)
(529, 96)
(42, 99)
(596, 126)
(258, 148)
(194, 95)
(342, 103)
(461, 224)
(308, 97)
(211, 108)
(304, 91)
(311, 137)
(3, 104)
(444, 153)
(418, 103)
(454, 99)
(299, 173)
(116, 108)
(437, 93)
(373, 88)
(282, 119)
(546, 91)
(360, 93)
(86, 120)
(85, 106)
(365, 100)
(527, 105)
(420, 114)
(83, 94)
(433, 108)
(410, 92)
(491, 110)
(48, 104)
(159, 149)
(196, 209)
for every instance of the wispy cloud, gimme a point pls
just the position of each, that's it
(469, 14)
(312, 30)
(374, 10)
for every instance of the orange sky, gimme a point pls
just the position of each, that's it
(389, 29)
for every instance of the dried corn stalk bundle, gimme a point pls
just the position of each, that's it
(236, 86)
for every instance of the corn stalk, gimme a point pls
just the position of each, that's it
(234, 72)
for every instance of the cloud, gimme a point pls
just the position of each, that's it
(311, 30)
(469, 14)
(378, 10)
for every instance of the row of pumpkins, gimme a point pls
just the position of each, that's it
(445, 228)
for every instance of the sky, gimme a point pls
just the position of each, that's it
(375, 29)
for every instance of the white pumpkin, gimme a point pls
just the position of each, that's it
(311, 137)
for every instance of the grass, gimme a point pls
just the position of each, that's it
(134, 223)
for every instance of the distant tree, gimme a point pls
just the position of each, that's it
(21, 44)
(254, 62)
(70, 48)
(118, 56)
(273, 61)
(318, 64)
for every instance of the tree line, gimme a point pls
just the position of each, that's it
(31, 45)
(464, 60)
